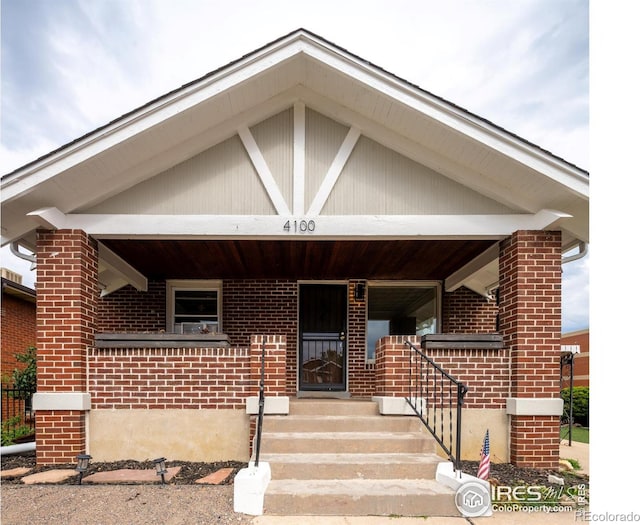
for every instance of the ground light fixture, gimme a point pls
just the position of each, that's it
(161, 468)
(83, 465)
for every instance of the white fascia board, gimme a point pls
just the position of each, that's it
(148, 116)
(455, 118)
(322, 227)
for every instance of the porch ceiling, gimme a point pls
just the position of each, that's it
(257, 259)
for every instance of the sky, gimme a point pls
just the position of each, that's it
(69, 66)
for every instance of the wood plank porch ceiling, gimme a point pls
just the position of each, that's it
(314, 259)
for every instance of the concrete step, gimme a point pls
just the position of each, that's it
(333, 407)
(359, 497)
(350, 423)
(346, 442)
(352, 466)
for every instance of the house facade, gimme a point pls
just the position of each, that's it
(307, 202)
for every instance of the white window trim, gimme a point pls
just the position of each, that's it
(403, 284)
(174, 285)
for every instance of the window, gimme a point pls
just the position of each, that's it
(193, 307)
(401, 309)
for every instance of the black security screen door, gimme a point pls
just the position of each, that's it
(323, 321)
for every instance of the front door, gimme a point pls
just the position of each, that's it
(322, 346)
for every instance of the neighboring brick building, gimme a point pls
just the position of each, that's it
(303, 197)
(578, 338)
(18, 321)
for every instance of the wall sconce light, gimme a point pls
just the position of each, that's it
(83, 465)
(358, 292)
(161, 469)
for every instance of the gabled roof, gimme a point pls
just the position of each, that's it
(299, 67)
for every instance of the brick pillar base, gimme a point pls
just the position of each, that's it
(60, 436)
(534, 441)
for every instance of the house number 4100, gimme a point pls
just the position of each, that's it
(302, 226)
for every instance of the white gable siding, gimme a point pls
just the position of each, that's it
(377, 180)
(324, 138)
(274, 137)
(220, 180)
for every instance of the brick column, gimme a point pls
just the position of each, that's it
(67, 291)
(392, 369)
(275, 375)
(530, 319)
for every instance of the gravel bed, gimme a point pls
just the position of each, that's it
(179, 502)
(119, 505)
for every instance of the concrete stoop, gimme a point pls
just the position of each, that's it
(341, 457)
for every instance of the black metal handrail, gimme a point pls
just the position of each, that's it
(260, 405)
(431, 392)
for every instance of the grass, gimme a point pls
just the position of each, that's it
(578, 434)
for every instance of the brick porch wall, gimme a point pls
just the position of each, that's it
(169, 378)
(485, 372)
(66, 312)
(250, 307)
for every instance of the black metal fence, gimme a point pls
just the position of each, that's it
(18, 417)
(436, 397)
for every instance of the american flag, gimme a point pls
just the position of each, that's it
(483, 468)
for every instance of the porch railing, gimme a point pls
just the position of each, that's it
(260, 405)
(434, 396)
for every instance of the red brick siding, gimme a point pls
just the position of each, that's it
(169, 378)
(66, 313)
(268, 307)
(66, 308)
(60, 436)
(18, 331)
(128, 310)
(466, 312)
(362, 382)
(535, 441)
(530, 319)
(484, 372)
(530, 310)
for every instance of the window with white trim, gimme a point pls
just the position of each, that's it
(194, 306)
(401, 308)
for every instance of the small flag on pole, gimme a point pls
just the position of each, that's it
(483, 468)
